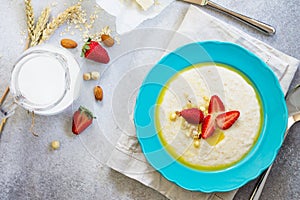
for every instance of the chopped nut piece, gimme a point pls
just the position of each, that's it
(173, 116)
(55, 145)
(202, 108)
(188, 134)
(196, 143)
(185, 125)
(196, 137)
(194, 131)
(206, 98)
(206, 105)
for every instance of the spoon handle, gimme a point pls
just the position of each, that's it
(265, 28)
(260, 184)
(263, 177)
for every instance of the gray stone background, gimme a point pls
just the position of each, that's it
(29, 169)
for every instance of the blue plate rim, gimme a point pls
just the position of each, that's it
(260, 147)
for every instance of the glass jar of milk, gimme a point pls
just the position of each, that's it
(44, 80)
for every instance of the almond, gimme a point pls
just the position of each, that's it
(98, 92)
(107, 40)
(68, 43)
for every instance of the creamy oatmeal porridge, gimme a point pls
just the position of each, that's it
(193, 88)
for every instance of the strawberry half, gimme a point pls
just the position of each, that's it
(192, 115)
(215, 105)
(82, 119)
(208, 126)
(226, 120)
(94, 51)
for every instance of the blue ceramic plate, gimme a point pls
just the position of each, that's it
(274, 117)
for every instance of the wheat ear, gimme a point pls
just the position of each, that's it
(30, 18)
(40, 26)
(59, 20)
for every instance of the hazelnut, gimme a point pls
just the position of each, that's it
(107, 40)
(95, 75)
(87, 76)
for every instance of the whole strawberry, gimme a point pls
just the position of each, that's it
(192, 115)
(94, 51)
(82, 119)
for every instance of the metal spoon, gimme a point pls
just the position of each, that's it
(265, 28)
(293, 104)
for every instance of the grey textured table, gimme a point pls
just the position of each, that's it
(31, 170)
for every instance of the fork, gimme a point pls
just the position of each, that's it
(293, 104)
(263, 27)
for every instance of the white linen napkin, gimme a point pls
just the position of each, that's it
(127, 157)
(129, 14)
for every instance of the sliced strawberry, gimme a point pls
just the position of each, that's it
(94, 51)
(215, 105)
(82, 119)
(226, 120)
(192, 115)
(208, 126)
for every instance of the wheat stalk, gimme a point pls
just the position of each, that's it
(40, 26)
(69, 13)
(30, 18)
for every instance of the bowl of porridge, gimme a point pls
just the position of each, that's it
(210, 116)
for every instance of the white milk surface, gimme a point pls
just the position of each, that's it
(41, 80)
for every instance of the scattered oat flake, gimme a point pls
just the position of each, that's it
(117, 39)
(85, 24)
(106, 30)
(145, 4)
(23, 32)
(54, 4)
